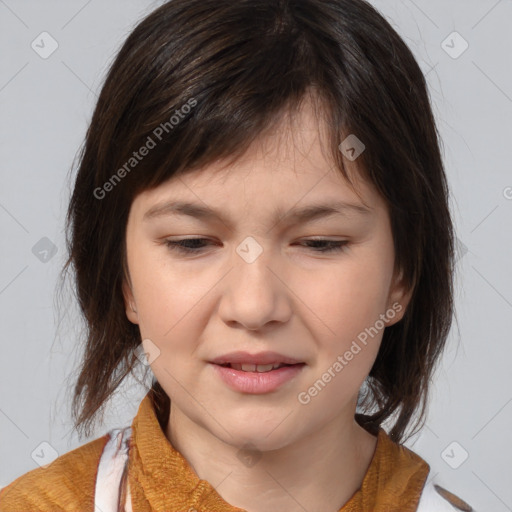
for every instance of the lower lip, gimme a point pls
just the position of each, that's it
(256, 382)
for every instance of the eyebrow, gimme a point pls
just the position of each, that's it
(294, 215)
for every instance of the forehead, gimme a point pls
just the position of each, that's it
(285, 165)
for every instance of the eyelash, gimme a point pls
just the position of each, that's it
(333, 246)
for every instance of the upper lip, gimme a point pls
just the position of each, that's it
(268, 357)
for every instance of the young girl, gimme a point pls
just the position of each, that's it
(261, 204)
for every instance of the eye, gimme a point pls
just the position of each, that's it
(194, 245)
(326, 245)
(181, 245)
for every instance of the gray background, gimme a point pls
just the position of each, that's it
(46, 105)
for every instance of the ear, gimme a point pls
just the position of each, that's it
(399, 298)
(129, 303)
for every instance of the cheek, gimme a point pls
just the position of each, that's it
(348, 331)
(347, 298)
(166, 296)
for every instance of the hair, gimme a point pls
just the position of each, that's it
(240, 67)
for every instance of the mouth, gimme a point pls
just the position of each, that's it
(256, 373)
(252, 380)
(258, 362)
(258, 368)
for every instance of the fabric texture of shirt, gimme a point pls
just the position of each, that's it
(160, 478)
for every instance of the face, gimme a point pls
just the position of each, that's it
(315, 291)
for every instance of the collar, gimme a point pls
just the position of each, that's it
(161, 478)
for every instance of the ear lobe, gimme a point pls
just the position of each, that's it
(129, 304)
(399, 298)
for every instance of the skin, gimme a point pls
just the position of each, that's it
(291, 299)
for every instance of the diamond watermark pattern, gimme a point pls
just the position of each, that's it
(454, 455)
(44, 250)
(454, 45)
(460, 250)
(44, 45)
(249, 249)
(351, 147)
(44, 454)
(147, 352)
(249, 455)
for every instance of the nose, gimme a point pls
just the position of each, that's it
(255, 292)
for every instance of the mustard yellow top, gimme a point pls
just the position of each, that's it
(161, 479)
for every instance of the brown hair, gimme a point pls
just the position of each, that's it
(240, 66)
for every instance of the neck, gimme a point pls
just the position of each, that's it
(319, 473)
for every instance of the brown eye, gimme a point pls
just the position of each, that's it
(325, 245)
(186, 245)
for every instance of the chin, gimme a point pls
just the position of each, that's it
(245, 442)
(264, 435)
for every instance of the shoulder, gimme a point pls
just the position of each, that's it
(404, 478)
(67, 483)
